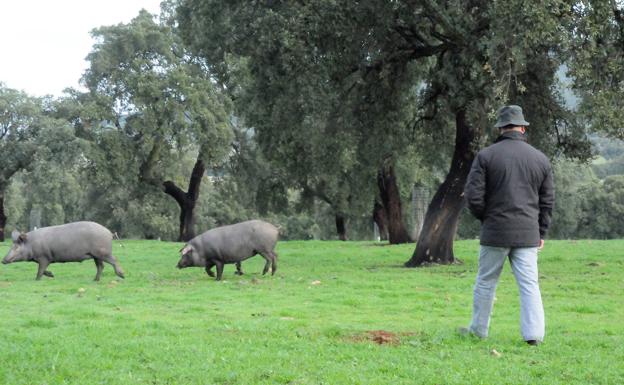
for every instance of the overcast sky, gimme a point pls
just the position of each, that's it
(43, 43)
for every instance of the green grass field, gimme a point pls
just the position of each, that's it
(311, 323)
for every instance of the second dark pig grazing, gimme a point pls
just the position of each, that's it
(72, 242)
(232, 244)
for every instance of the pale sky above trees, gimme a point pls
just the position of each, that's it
(43, 44)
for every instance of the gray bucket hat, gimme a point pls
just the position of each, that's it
(510, 115)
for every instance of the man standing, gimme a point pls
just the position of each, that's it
(510, 190)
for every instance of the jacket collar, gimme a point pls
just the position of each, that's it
(513, 135)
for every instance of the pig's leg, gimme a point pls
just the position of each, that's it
(209, 265)
(48, 273)
(99, 265)
(273, 262)
(268, 259)
(219, 269)
(113, 261)
(43, 264)
(239, 270)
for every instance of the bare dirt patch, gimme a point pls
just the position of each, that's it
(380, 337)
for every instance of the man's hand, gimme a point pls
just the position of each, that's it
(541, 246)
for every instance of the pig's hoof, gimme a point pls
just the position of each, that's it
(239, 273)
(48, 274)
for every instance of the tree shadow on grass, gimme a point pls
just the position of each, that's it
(457, 262)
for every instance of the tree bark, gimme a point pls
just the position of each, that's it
(187, 200)
(391, 201)
(341, 227)
(3, 217)
(435, 243)
(379, 217)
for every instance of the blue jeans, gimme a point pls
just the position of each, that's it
(524, 265)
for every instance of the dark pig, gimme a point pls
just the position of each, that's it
(72, 242)
(231, 244)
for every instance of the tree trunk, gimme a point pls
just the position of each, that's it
(187, 222)
(379, 217)
(435, 244)
(3, 217)
(391, 201)
(187, 200)
(341, 227)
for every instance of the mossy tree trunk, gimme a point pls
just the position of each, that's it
(435, 243)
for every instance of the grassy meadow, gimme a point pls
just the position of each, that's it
(334, 313)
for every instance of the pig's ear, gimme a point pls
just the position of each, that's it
(15, 235)
(186, 249)
(22, 238)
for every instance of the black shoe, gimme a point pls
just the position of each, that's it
(533, 342)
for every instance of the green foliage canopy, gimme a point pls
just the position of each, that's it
(596, 63)
(150, 99)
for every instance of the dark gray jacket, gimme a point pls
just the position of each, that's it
(510, 190)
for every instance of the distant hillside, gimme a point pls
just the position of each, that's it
(610, 156)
